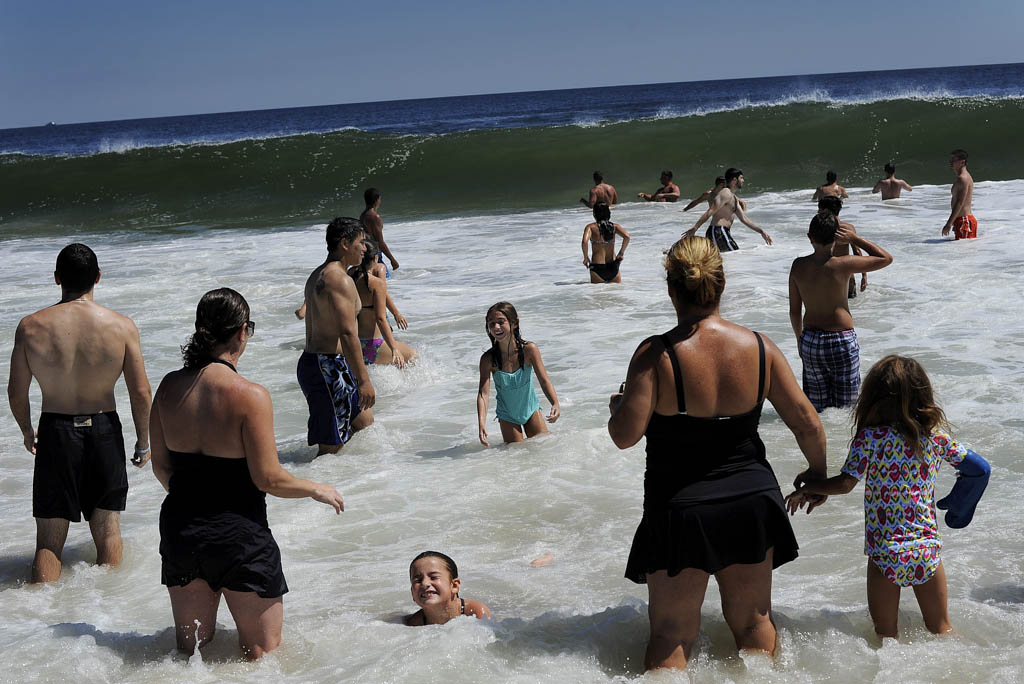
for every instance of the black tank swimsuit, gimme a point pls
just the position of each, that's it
(710, 498)
(213, 526)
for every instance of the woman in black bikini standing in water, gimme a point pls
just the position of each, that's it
(603, 262)
(712, 505)
(212, 434)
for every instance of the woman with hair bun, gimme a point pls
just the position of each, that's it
(212, 434)
(712, 505)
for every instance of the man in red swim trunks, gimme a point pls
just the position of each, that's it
(961, 220)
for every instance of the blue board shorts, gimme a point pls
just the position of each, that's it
(332, 396)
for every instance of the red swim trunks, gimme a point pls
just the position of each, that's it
(965, 227)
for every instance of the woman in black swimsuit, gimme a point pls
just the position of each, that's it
(603, 262)
(712, 505)
(212, 434)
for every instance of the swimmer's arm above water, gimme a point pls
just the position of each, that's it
(532, 356)
(702, 198)
(742, 216)
(631, 411)
(18, 382)
(483, 395)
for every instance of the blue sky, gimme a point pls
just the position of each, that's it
(112, 59)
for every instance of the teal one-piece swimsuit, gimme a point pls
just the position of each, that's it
(516, 399)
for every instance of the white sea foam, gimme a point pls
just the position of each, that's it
(418, 479)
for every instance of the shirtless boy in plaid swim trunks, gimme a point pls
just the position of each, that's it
(819, 311)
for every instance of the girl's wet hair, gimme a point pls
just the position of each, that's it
(219, 315)
(509, 312)
(361, 271)
(603, 216)
(897, 393)
(453, 569)
(694, 271)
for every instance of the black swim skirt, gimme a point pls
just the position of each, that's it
(713, 535)
(226, 549)
(79, 466)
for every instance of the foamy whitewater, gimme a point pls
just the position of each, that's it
(418, 479)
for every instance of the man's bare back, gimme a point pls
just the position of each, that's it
(602, 192)
(833, 189)
(77, 351)
(818, 283)
(891, 187)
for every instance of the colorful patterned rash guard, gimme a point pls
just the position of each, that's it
(900, 533)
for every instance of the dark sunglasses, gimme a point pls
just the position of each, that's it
(250, 328)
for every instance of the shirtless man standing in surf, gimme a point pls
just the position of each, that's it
(724, 207)
(374, 227)
(890, 186)
(601, 192)
(331, 371)
(77, 350)
(961, 220)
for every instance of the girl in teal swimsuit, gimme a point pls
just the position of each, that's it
(512, 362)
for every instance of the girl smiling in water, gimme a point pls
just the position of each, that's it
(435, 586)
(512, 361)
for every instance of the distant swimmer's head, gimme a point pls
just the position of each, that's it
(598, 177)
(831, 204)
(694, 272)
(890, 170)
(666, 176)
(344, 233)
(77, 270)
(898, 393)
(221, 315)
(823, 228)
(720, 182)
(370, 196)
(732, 174)
(830, 177)
(434, 579)
(956, 157)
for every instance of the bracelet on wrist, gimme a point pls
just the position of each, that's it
(141, 452)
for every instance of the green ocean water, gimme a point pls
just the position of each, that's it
(309, 178)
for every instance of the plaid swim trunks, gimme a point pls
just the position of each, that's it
(831, 360)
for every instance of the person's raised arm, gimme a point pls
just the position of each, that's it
(797, 413)
(483, 394)
(631, 411)
(583, 245)
(906, 186)
(625, 241)
(874, 258)
(378, 288)
(532, 357)
(160, 455)
(18, 382)
(878, 187)
(796, 306)
(342, 297)
(140, 396)
(261, 453)
(817, 194)
(700, 198)
(742, 216)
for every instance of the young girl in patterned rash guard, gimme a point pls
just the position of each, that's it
(899, 441)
